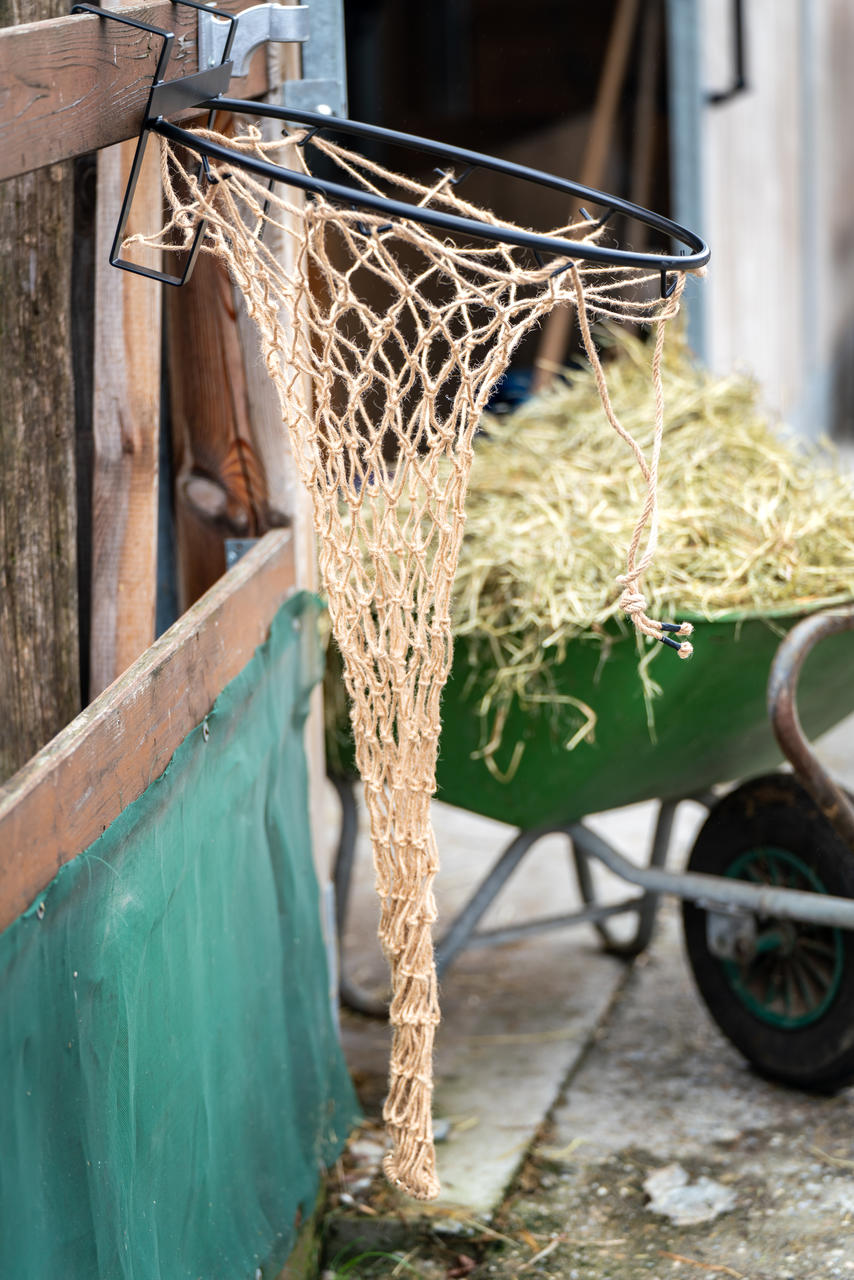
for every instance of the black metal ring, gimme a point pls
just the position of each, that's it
(437, 218)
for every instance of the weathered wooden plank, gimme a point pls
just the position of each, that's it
(126, 424)
(39, 681)
(75, 84)
(288, 499)
(551, 354)
(68, 794)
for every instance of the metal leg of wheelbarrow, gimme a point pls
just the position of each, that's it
(647, 903)
(464, 935)
(719, 893)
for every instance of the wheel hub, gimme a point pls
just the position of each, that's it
(785, 972)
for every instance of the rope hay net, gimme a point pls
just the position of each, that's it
(403, 334)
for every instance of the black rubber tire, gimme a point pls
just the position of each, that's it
(776, 811)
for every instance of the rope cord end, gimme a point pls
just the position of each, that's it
(678, 628)
(634, 605)
(685, 649)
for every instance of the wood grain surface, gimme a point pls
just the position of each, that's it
(126, 428)
(39, 676)
(69, 793)
(552, 351)
(75, 84)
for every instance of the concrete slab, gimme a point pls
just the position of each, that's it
(662, 1087)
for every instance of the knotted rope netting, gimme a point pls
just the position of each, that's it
(403, 333)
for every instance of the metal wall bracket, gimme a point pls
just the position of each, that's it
(237, 548)
(318, 26)
(184, 93)
(283, 23)
(323, 87)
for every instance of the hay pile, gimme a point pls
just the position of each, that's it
(750, 522)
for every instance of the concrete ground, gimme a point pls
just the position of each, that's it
(575, 1094)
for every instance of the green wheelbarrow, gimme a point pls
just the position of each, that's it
(768, 895)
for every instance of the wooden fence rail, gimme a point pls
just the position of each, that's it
(76, 84)
(69, 793)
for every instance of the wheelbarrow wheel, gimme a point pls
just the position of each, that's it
(787, 1001)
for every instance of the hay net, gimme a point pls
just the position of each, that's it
(403, 334)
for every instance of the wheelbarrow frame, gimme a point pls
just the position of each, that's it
(727, 901)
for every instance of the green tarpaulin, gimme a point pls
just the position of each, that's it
(171, 1078)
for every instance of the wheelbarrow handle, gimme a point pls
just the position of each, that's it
(783, 713)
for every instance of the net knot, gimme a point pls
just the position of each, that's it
(632, 602)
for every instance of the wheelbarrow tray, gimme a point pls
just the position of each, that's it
(710, 724)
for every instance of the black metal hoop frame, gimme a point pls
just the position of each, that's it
(438, 218)
(206, 90)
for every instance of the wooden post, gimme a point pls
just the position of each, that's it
(39, 665)
(72, 84)
(286, 496)
(287, 500)
(552, 351)
(234, 472)
(126, 424)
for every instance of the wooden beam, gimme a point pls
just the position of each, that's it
(126, 429)
(39, 676)
(76, 84)
(69, 793)
(551, 354)
(287, 498)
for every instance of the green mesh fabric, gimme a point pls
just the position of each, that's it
(171, 1077)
